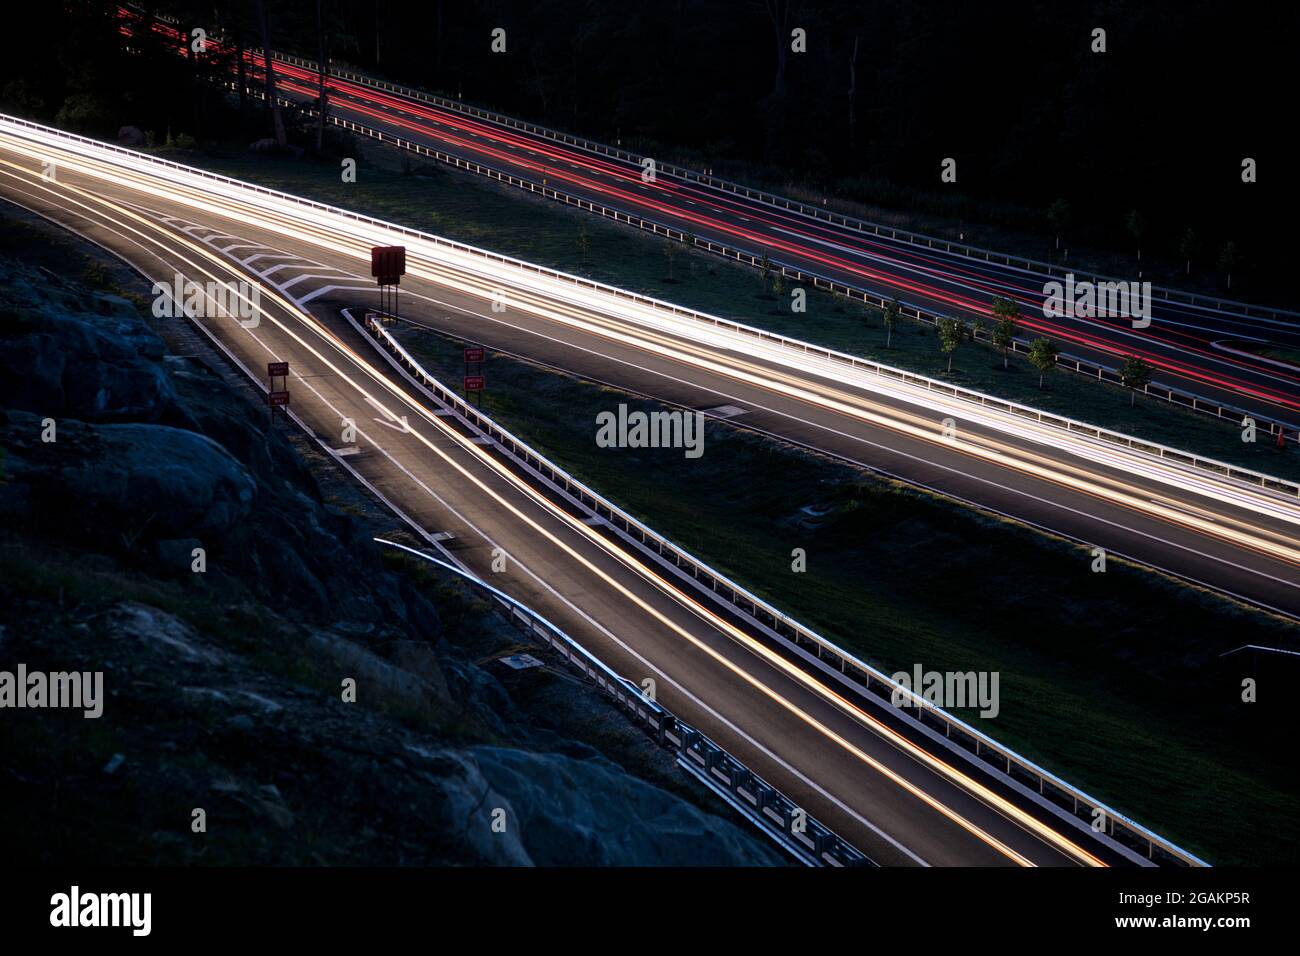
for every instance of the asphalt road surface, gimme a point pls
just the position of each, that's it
(862, 771)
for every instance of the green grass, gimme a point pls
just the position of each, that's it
(1291, 356)
(1108, 679)
(471, 210)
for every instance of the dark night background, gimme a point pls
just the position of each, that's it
(1158, 124)
(163, 447)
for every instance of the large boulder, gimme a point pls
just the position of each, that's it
(186, 482)
(93, 368)
(593, 813)
(138, 479)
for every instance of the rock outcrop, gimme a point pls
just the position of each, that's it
(228, 690)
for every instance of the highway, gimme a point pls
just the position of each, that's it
(1198, 348)
(858, 771)
(1225, 535)
(898, 803)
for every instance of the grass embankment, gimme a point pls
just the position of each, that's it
(471, 210)
(1111, 680)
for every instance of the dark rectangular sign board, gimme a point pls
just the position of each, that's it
(388, 263)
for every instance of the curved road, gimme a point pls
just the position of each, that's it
(862, 772)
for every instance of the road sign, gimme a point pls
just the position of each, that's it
(275, 399)
(474, 354)
(388, 264)
(277, 369)
(473, 383)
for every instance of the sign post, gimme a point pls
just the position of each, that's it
(387, 266)
(277, 397)
(474, 356)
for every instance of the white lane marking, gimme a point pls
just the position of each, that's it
(284, 286)
(322, 290)
(1179, 506)
(403, 427)
(265, 255)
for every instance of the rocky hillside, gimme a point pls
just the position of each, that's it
(222, 687)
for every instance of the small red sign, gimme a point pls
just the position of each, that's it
(388, 263)
(473, 354)
(277, 398)
(473, 383)
(277, 369)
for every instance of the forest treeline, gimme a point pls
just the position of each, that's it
(1139, 146)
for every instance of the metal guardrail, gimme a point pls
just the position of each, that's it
(1083, 366)
(930, 384)
(822, 213)
(867, 678)
(1092, 369)
(806, 839)
(1182, 398)
(810, 647)
(828, 656)
(709, 762)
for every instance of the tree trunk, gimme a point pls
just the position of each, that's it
(782, 57)
(778, 12)
(573, 51)
(243, 79)
(437, 46)
(853, 90)
(277, 120)
(194, 82)
(323, 93)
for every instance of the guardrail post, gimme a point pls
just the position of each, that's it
(667, 722)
